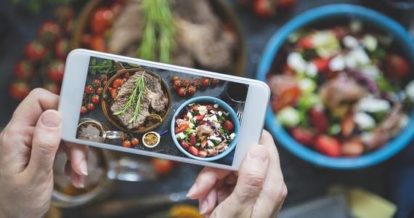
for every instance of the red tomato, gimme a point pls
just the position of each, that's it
(126, 144)
(95, 99)
(177, 84)
(181, 128)
(134, 141)
(199, 117)
(23, 70)
(52, 87)
(191, 90)
(181, 92)
(117, 83)
(318, 119)
(114, 93)
(98, 43)
(193, 139)
(196, 83)
(161, 166)
(89, 89)
(228, 125)
(49, 31)
(99, 90)
(328, 146)
(193, 150)
(322, 64)
(303, 136)
(205, 82)
(35, 51)
(101, 20)
(83, 110)
(96, 83)
(55, 71)
(263, 8)
(90, 106)
(306, 42)
(19, 90)
(62, 48)
(397, 66)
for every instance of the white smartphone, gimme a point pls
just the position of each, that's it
(160, 110)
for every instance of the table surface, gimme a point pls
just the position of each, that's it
(304, 180)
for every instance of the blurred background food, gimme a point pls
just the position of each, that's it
(227, 36)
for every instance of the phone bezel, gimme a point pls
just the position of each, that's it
(76, 69)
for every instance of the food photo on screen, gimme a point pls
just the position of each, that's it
(162, 111)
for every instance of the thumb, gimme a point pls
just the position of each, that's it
(45, 143)
(252, 175)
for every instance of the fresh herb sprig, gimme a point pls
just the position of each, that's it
(101, 66)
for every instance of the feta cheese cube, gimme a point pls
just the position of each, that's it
(364, 121)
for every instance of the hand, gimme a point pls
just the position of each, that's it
(28, 145)
(257, 191)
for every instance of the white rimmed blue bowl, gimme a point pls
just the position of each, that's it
(332, 13)
(222, 104)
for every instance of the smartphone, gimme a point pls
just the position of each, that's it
(160, 110)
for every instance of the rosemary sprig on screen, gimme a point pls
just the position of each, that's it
(135, 99)
(158, 37)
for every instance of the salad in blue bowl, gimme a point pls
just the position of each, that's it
(342, 86)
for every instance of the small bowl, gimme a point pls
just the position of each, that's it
(325, 14)
(223, 105)
(154, 145)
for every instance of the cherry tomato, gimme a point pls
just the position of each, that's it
(35, 51)
(62, 48)
(161, 166)
(114, 93)
(126, 144)
(193, 150)
(322, 64)
(23, 70)
(95, 99)
(306, 42)
(196, 83)
(318, 119)
(228, 125)
(117, 83)
(328, 146)
(49, 31)
(101, 20)
(182, 92)
(191, 90)
(303, 136)
(134, 141)
(205, 82)
(177, 84)
(90, 106)
(83, 110)
(199, 117)
(264, 8)
(214, 82)
(397, 66)
(96, 83)
(89, 89)
(185, 144)
(98, 43)
(19, 90)
(55, 70)
(99, 90)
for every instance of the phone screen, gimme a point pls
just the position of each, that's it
(162, 111)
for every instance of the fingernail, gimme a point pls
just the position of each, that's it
(83, 168)
(258, 153)
(192, 191)
(50, 118)
(203, 207)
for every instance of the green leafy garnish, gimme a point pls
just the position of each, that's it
(101, 66)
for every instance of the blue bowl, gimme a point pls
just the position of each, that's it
(222, 104)
(321, 15)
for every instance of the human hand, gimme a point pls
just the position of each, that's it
(28, 145)
(257, 190)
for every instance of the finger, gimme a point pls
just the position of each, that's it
(208, 203)
(46, 140)
(78, 154)
(205, 181)
(274, 189)
(252, 175)
(78, 181)
(224, 192)
(30, 109)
